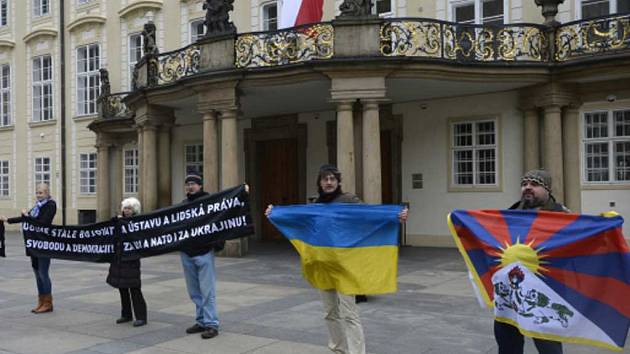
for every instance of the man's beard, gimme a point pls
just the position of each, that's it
(532, 202)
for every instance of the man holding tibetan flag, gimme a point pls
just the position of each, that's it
(345, 249)
(556, 277)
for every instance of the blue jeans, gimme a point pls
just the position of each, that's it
(200, 282)
(40, 268)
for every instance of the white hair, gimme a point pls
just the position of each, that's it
(132, 203)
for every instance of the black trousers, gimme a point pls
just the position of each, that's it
(129, 296)
(511, 341)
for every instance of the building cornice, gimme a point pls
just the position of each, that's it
(85, 20)
(40, 33)
(5, 43)
(142, 4)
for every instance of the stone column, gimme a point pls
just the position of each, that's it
(532, 139)
(372, 189)
(117, 186)
(345, 145)
(149, 168)
(210, 152)
(571, 152)
(140, 167)
(552, 157)
(164, 162)
(230, 174)
(102, 182)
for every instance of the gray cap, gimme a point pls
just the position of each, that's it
(540, 177)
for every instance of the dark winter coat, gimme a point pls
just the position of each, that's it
(46, 214)
(124, 274)
(550, 205)
(194, 251)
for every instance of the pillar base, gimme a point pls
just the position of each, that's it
(234, 248)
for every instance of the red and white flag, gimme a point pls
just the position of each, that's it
(298, 12)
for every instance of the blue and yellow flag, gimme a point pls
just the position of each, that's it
(556, 276)
(352, 248)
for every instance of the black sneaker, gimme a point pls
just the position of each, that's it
(139, 323)
(360, 298)
(196, 328)
(123, 320)
(210, 332)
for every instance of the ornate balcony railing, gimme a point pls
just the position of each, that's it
(427, 38)
(177, 64)
(582, 39)
(287, 46)
(112, 106)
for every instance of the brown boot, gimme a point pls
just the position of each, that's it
(39, 304)
(47, 305)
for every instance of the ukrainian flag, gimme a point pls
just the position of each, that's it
(352, 248)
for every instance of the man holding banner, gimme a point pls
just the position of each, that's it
(345, 250)
(198, 265)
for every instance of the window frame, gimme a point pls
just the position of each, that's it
(478, 10)
(475, 147)
(39, 6)
(4, 13)
(5, 96)
(193, 24)
(612, 8)
(264, 22)
(5, 179)
(42, 84)
(609, 140)
(132, 171)
(132, 65)
(46, 170)
(391, 13)
(198, 163)
(86, 106)
(87, 173)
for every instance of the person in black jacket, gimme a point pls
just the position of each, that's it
(43, 212)
(198, 265)
(125, 275)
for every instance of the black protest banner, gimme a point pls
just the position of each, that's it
(217, 217)
(2, 251)
(89, 243)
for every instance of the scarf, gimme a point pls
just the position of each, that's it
(38, 205)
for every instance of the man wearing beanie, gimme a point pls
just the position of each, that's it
(198, 265)
(535, 194)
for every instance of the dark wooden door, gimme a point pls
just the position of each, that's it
(278, 171)
(387, 194)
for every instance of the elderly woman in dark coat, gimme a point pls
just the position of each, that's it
(125, 275)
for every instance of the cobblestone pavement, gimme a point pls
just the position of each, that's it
(264, 306)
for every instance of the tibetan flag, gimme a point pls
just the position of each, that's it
(556, 276)
(299, 12)
(352, 248)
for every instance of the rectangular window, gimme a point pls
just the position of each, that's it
(42, 171)
(136, 51)
(197, 30)
(270, 17)
(42, 89)
(41, 7)
(623, 6)
(88, 78)
(4, 178)
(595, 8)
(383, 7)
(194, 159)
(607, 146)
(87, 171)
(131, 171)
(488, 12)
(4, 12)
(5, 95)
(474, 153)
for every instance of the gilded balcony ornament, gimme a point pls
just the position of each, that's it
(522, 43)
(581, 39)
(175, 65)
(113, 106)
(290, 46)
(468, 43)
(411, 38)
